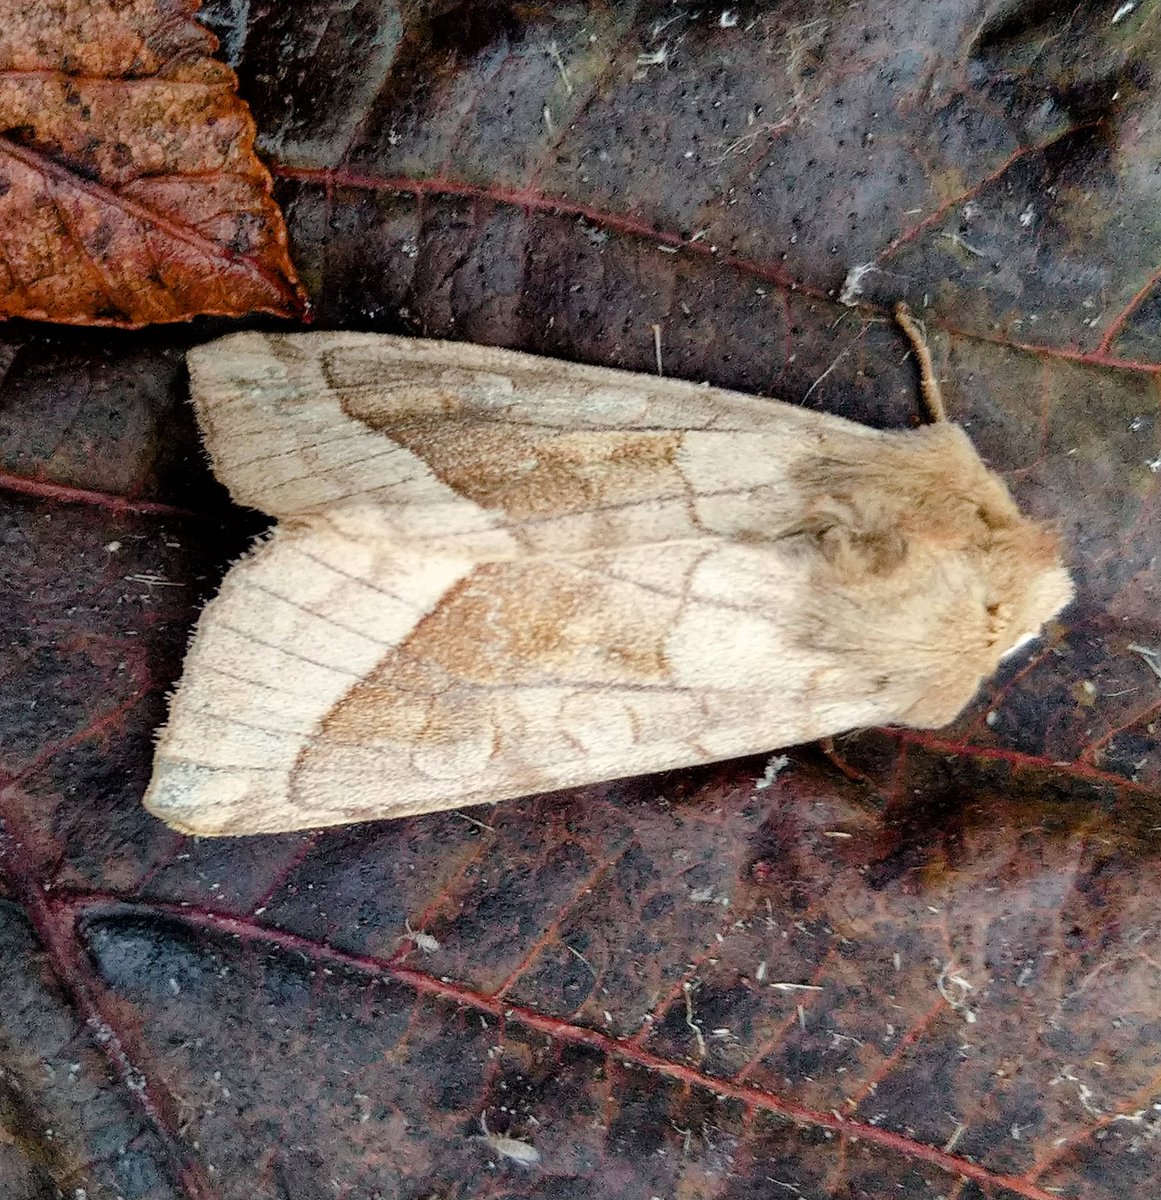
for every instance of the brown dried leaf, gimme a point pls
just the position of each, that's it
(129, 189)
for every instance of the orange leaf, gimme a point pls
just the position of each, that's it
(129, 189)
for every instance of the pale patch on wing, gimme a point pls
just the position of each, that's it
(388, 375)
(281, 442)
(294, 628)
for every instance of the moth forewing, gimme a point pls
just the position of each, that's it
(499, 575)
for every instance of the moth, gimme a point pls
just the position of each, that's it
(494, 575)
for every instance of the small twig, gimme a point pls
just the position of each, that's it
(578, 954)
(825, 374)
(152, 580)
(957, 240)
(554, 53)
(687, 988)
(657, 348)
(957, 1002)
(932, 396)
(686, 1135)
(660, 57)
(747, 140)
(472, 821)
(1149, 657)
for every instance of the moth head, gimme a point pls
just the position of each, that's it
(1014, 563)
(1027, 585)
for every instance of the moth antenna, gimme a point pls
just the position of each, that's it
(928, 384)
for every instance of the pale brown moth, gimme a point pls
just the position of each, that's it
(495, 574)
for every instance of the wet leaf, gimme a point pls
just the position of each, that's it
(898, 964)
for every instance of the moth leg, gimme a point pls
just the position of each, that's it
(929, 385)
